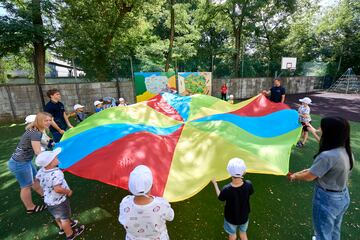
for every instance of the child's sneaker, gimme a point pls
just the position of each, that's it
(76, 232)
(299, 144)
(73, 224)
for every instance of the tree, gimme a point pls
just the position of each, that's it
(24, 25)
(93, 32)
(172, 33)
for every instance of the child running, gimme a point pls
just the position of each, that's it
(56, 191)
(305, 120)
(237, 199)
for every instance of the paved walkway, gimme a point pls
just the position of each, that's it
(330, 104)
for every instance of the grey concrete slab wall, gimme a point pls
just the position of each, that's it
(247, 87)
(18, 101)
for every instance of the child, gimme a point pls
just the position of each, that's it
(305, 120)
(56, 191)
(223, 91)
(142, 215)
(79, 113)
(231, 99)
(98, 106)
(237, 199)
(122, 102)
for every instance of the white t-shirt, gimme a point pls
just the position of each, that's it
(48, 180)
(145, 221)
(304, 110)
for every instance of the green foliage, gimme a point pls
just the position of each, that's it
(228, 38)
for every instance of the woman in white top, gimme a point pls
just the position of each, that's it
(142, 215)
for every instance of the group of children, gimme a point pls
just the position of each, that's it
(144, 216)
(99, 105)
(103, 104)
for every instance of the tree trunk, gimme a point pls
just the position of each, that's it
(172, 33)
(38, 43)
(237, 35)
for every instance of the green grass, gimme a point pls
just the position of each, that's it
(280, 209)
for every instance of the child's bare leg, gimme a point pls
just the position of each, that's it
(310, 128)
(306, 134)
(232, 236)
(243, 236)
(58, 222)
(66, 226)
(315, 134)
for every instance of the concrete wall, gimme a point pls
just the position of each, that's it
(18, 101)
(249, 87)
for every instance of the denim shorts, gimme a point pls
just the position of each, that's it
(61, 211)
(24, 172)
(231, 229)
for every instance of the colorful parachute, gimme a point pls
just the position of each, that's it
(184, 140)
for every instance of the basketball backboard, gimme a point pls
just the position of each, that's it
(288, 63)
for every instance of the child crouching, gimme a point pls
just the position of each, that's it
(56, 191)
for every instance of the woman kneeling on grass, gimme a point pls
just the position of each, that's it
(142, 215)
(330, 170)
(20, 163)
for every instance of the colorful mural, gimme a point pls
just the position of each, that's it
(149, 84)
(194, 82)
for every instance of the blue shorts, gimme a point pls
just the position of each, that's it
(231, 229)
(24, 172)
(61, 211)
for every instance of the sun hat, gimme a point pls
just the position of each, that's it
(97, 103)
(45, 158)
(77, 106)
(236, 167)
(30, 119)
(140, 180)
(231, 96)
(121, 99)
(305, 100)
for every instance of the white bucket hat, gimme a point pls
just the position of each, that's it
(45, 158)
(305, 100)
(140, 180)
(121, 99)
(77, 106)
(97, 103)
(30, 119)
(236, 167)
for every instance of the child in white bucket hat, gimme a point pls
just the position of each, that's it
(305, 120)
(122, 102)
(142, 215)
(56, 191)
(237, 197)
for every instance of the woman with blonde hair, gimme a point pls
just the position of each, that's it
(20, 163)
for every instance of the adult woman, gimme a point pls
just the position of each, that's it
(20, 163)
(142, 215)
(330, 170)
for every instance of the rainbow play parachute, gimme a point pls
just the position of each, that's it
(184, 140)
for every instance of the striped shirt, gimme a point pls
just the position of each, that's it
(24, 151)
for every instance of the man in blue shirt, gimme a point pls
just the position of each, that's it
(277, 92)
(60, 121)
